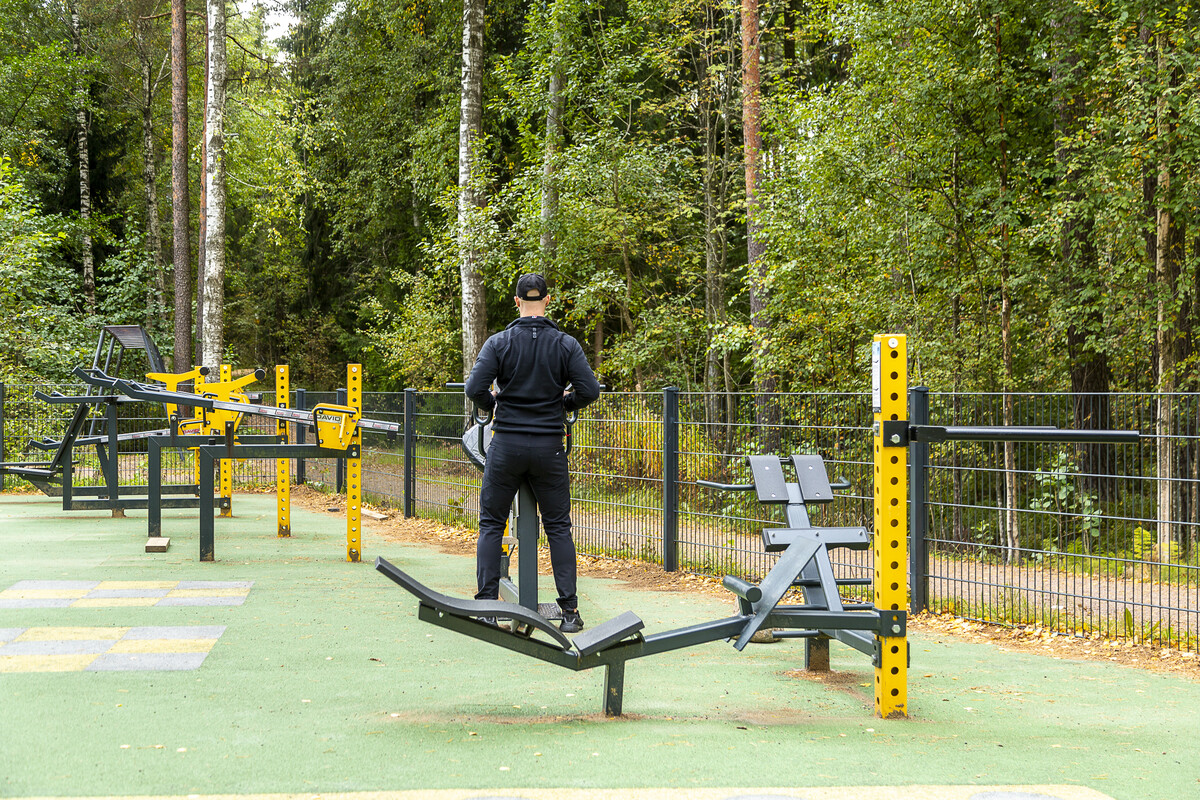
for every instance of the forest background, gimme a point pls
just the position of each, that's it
(725, 196)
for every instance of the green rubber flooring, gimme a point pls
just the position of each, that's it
(320, 681)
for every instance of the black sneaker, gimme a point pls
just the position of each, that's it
(571, 621)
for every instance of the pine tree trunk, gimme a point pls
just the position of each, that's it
(158, 287)
(85, 180)
(766, 408)
(214, 225)
(470, 199)
(1088, 363)
(554, 133)
(1169, 238)
(202, 219)
(181, 359)
(714, 245)
(1012, 537)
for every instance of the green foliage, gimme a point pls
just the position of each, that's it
(1076, 514)
(417, 345)
(41, 338)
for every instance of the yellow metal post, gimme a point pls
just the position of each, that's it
(195, 453)
(354, 468)
(889, 389)
(283, 489)
(226, 464)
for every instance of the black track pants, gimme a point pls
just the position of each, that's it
(540, 460)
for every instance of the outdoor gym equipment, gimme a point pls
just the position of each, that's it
(338, 431)
(804, 562)
(56, 477)
(877, 628)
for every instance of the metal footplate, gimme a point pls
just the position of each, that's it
(475, 609)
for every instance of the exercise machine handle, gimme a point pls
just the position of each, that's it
(726, 487)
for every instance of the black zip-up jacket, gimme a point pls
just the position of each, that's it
(532, 362)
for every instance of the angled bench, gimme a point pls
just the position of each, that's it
(805, 564)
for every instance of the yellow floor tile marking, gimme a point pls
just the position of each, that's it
(70, 634)
(114, 602)
(73, 662)
(163, 646)
(42, 594)
(106, 586)
(208, 592)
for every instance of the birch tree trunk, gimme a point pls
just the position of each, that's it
(85, 180)
(470, 126)
(714, 190)
(214, 235)
(181, 359)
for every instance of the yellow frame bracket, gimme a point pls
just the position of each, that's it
(354, 466)
(889, 399)
(283, 490)
(171, 382)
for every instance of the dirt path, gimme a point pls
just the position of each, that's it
(1033, 638)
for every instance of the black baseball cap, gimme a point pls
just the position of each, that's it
(532, 286)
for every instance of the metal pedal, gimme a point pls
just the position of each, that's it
(550, 610)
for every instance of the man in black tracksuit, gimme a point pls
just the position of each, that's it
(532, 362)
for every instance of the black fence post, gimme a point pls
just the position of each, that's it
(670, 462)
(918, 503)
(339, 472)
(410, 441)
(301, 435)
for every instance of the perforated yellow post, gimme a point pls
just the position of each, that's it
(354, 468)
(283, 489)
(195, 455)
(889, 390)
(226, 464)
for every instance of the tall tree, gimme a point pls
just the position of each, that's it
(554, 134)
(470, 190)
(214, 173)
(82, 102)
(181, 360)
(1170, 238)
(150, 82)
(767, 408)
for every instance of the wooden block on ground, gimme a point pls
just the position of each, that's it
(375, 515)
(158, 544)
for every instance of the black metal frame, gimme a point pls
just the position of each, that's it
(208, 453)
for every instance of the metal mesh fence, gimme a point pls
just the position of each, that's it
(1069, 536)
(1085, 538)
